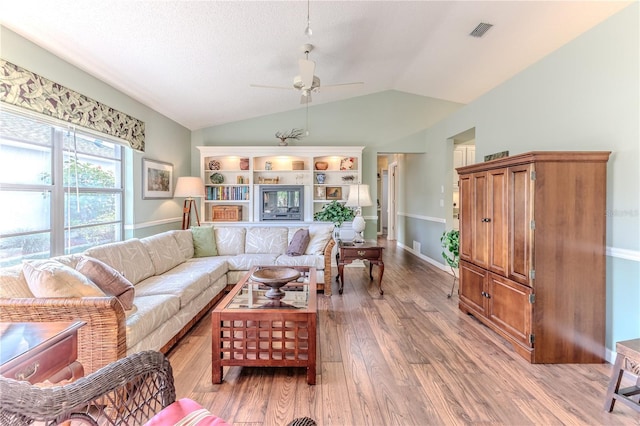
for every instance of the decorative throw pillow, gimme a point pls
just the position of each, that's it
(320, 234)
(48, 278)
(185, 412)
(299, 243)
(204, 241)
(108, 280)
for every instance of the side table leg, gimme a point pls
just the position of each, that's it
(341, 277)
(381, 265)
(370, 270)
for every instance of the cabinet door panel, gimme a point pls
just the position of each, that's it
(472, 285)
(510, 308)
(521, 234)
(479, 225)
(466, 229)
(498, 226)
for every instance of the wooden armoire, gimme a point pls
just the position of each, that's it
(532, 252)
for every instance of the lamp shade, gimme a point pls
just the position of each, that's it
(189, 187)
(358, 196)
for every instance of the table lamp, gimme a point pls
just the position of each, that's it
(190, 188)
(358, 197)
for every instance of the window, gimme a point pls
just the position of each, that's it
(61, 190)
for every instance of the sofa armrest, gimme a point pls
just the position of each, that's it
(327, 266)
(101, 341)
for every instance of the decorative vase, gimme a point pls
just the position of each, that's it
(214, 165)
(321, 165)
(320, 178)
(244, 164)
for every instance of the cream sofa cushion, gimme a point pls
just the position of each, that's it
(185, 242)
(244, 262)
(314, 260)
(49, 278)
(129, 257)
(13, 283)
(148, 314)
(230, 240)
(266, 240)
(319, 234)
(164, 252)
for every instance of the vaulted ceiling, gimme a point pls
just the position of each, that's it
(194, 61)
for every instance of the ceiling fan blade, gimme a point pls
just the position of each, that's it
(262, 86)
(307, 68)
(333, 86)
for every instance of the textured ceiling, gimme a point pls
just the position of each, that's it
(194, 61)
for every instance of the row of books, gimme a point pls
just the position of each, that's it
(227, 193)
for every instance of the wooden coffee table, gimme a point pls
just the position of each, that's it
(245, 333)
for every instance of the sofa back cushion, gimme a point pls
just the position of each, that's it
(204, 241)
(230, 240)
(49, 278)
(185, 242)
(319, 234)
(266, 240)
(13, 283)
(164, 252)
(129, 257)
(109, 280)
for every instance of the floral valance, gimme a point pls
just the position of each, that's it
(26, 89)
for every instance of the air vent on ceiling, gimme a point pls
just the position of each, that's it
(480, 30)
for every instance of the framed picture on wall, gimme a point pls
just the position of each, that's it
(334, 193)
(157, 179)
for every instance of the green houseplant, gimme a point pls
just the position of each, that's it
(334, 212)
(450, 241)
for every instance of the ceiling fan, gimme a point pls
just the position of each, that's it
(306, 82)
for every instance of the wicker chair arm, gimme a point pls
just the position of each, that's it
(101, 341)
(327, 264)
(128, 392)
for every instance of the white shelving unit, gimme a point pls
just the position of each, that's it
(227, 183)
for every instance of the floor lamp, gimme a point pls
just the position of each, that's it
(190, 188)
(358, 197)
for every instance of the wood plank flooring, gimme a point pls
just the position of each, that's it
(409, 357)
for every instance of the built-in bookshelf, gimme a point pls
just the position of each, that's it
(233, 179)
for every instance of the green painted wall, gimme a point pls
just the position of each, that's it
(165, 140)
(584, 96)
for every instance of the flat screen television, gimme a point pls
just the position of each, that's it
(281, 202)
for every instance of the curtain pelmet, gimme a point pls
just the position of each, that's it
(26, 89)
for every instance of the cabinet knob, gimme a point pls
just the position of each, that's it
(486, 219)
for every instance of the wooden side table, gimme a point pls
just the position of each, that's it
(40, 351)
(348, 252)
(628, 359)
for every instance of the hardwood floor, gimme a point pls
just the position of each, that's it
(409, 357)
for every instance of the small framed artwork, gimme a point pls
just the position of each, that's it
(334, 193)
(157, 179)
(320, 192)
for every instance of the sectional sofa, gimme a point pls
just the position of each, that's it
(172, 288)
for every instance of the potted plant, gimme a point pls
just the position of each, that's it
(450, 242)
(334, 212)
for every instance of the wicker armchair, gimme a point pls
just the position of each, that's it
(128, 392)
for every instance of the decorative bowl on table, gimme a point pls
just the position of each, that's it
(275, 278)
